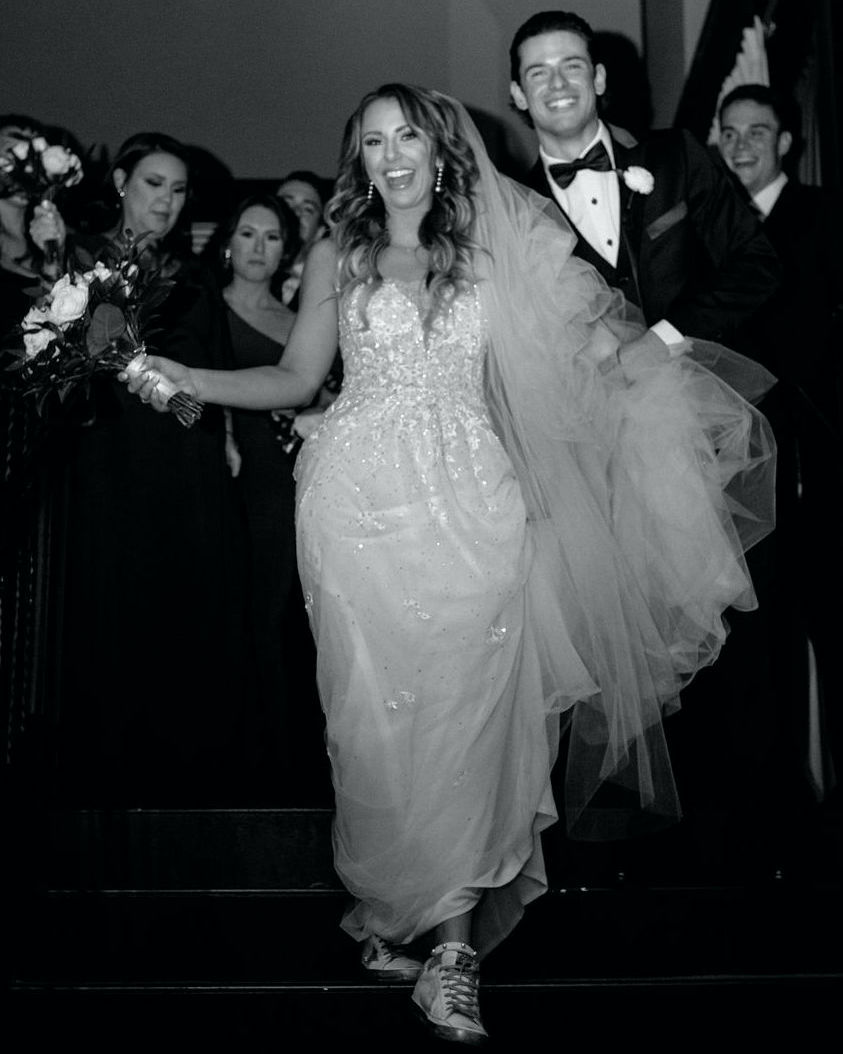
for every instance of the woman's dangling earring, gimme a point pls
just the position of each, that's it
(227, 257)
(438, 185)
(121, 193)
(370, 192)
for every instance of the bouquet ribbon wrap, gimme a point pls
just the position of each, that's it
(187, 409)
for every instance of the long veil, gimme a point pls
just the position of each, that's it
(644, 484)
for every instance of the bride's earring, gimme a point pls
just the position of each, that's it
(370, 192)
(438, 185)
(227, 257)
(121, 193)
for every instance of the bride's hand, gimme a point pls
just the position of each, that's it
(145, 383)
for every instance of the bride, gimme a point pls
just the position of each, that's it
(518, 518)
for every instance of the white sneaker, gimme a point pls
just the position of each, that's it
(386, 962)
(446, 993)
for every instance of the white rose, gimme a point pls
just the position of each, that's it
(57, 161)
(75, 173)
(21, 150)
(68, 302)
(61, 283)
(6, 164)
(39, 144)
(639, 179)
(100, 272)
(37, 341)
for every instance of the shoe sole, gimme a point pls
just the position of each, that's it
(387, 976)
(450, 1035)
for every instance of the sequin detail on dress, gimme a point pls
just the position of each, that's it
(413, 543)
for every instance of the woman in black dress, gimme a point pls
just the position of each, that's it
(258, 242)
(153, 545)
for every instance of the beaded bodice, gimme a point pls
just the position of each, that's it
(389, 357)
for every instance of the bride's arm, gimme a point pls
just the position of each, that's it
(294, 380)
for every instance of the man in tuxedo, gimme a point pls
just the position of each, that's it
(759, 131)
(690, 252)
(684, 244)
(800, 330)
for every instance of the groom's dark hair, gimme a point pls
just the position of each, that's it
(549, 22)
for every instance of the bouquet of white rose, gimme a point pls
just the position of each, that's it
(95, 321)
(34, 167)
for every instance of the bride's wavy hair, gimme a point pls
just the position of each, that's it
(358, 219)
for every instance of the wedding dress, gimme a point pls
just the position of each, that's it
(478, 579)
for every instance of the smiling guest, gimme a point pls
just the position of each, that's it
(755, 140)
(759, 136)
(759, 133)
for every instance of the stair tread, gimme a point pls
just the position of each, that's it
(297, 939)
(270, 1021)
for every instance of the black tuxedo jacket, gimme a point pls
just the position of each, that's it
(693, 252)
(805, 227)
(802, 324)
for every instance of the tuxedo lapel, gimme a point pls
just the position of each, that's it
(539, 181)
(632, 204)
(783, 219)
(621, 162)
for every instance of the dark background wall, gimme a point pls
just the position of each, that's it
(264, 84)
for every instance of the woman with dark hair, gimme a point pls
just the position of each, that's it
(513, 515)
(149, 175)
(257, 241)
(154, 540)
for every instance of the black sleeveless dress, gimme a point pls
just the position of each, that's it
(285, 669)
(155, 662)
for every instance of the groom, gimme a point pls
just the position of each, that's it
(682, 243)
(675, 237)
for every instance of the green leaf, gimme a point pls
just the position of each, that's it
(108, 323)
(84, 260)
(156, 296)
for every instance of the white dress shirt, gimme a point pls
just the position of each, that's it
(767, 197)
(592, 202)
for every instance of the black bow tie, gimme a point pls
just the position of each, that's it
(597, 158)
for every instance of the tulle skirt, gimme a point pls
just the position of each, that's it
(638, 556)
(451, 661)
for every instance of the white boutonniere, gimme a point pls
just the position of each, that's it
(639, 180)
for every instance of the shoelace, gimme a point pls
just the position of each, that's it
(459, 987)
(383, 950)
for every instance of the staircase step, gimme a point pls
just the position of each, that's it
(190, 849)
(293, 937)
(599, 1016)
(291, 848)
